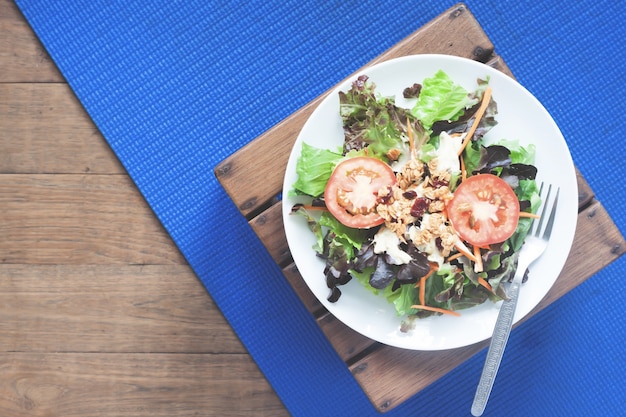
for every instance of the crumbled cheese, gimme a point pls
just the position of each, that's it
(448, 150)
(432, 251)
(386, 241)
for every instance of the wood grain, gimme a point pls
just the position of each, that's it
(79, 219)
(22, 57)
(130, 384)
(99, 313)
(110, 308)
(45, 130)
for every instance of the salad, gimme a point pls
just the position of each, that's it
(416, 204)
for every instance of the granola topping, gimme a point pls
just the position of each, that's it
(414, 208)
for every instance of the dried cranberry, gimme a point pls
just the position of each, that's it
(419, 207)
(409, 195)
(439, 182)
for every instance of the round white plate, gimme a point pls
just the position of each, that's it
(520, 117)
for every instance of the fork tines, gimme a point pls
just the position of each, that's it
(547, 209)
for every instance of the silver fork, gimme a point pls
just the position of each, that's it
(534, 245)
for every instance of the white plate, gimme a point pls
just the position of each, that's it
(521, 117)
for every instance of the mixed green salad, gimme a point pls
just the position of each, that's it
(415, 204)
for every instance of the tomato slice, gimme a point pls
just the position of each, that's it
(351, 194)
(484, 210)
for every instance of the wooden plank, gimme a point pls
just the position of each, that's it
(347, 342)
(379, 372)
(133, 385)
(302, 290)
(455, 32)
(268, 226)
(79, 219)
(23, 59)
(110, 308)
(46, 130)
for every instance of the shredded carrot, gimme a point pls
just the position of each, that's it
(478, 263)
(461, 248)
(411, 140)
(453, 257)
(422, 283)
(436, 310)
(463, 171)
(485, 284)
(479, 114)
(527, 214)
(423, 289)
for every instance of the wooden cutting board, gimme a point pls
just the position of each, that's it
(253, 179)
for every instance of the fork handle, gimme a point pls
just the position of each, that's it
(498, 342)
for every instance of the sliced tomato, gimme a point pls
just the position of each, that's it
(484, 210)
(351, 194)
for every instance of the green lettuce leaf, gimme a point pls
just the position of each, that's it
(351, 239)
(440, 99)
(528, 191)
(314, 226)
(519, 154)
(314, 168)
(402, 298)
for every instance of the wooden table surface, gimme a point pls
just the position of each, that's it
(99, 313)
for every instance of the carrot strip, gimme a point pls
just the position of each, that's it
(422, 283)
(453, 257)
(485, 284)
(436, 310)
(461, 248)
(527, 214)
(463, 171)
(479, 114)
(478, 264)
(423, 289)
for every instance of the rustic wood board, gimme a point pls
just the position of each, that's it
(377, 367)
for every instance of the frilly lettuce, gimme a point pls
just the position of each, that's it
(440, 99)
(314, 167)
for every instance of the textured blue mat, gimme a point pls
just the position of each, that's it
(176, 87)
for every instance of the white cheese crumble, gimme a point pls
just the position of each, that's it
(386, 241)
(447, 152)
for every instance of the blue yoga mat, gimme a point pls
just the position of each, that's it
(177, 86)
